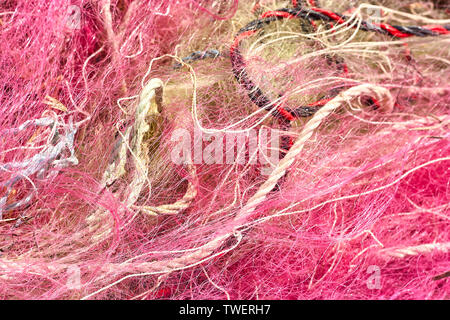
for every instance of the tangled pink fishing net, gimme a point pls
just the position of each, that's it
(137, 160)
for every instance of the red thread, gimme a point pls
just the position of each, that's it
(437, 29)
(376, 103)
(164, 292)
(281, 14)
(392, 30)
(332, 27)
(320, 103)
